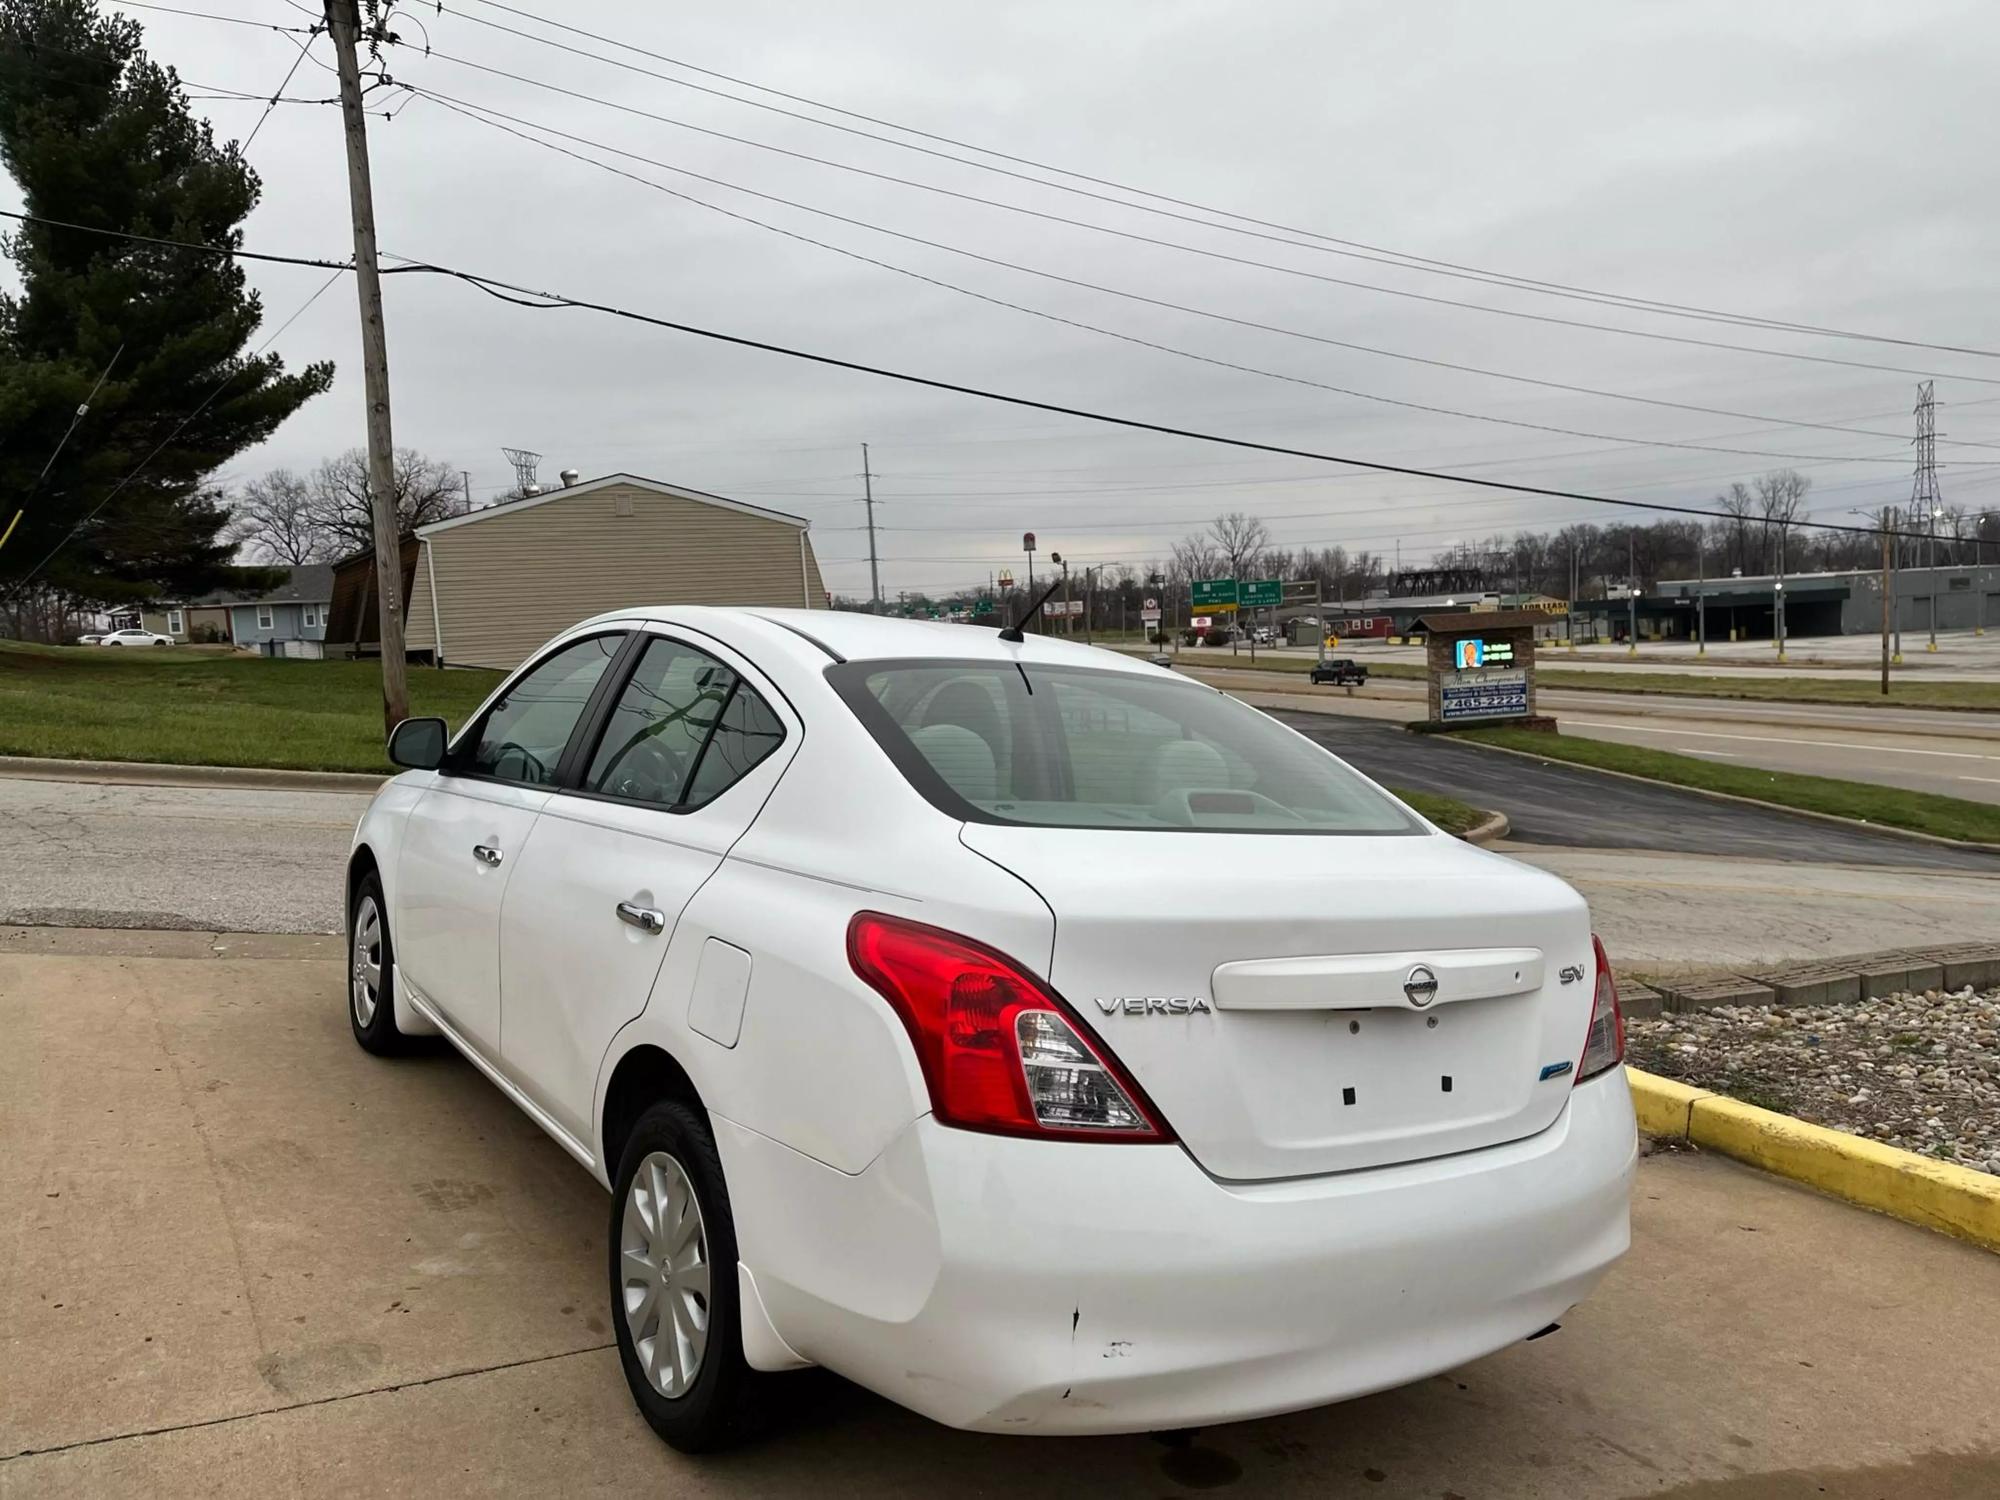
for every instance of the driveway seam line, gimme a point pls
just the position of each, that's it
(277, 1411)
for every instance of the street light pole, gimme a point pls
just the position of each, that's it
(1701, 595)
(1778, 594)
(1930, 563)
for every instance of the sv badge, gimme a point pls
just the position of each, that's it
(1572, 973)
(1152, 1005)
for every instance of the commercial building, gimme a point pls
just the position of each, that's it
(489, 587)
(1850, 603)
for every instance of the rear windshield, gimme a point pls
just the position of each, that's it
(1076, 747)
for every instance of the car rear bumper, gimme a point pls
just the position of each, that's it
(1042, 1287)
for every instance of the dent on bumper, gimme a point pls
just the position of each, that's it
(1028, 1286)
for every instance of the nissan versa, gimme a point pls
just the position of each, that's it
(884, 973)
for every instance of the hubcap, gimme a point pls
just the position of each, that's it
(663, 1273)
(365, 963)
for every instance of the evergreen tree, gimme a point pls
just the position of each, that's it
(98, 135)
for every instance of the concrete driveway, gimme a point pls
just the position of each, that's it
(243, 1258)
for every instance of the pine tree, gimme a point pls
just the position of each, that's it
(96, 134)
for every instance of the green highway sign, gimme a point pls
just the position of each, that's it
(1211, 593)
(984, 606)
(1261, 591)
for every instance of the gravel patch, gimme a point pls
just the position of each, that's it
(1920, 1071)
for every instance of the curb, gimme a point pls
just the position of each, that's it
(1938, 1195)
(152, 773)
(1699, 791)
(1496, 826)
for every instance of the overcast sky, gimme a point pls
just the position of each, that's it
(1832, 164)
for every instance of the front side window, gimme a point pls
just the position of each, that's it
(685, 728)
(264, 617)
(1078, 747)
(173, 622)
(522, 736)
(309, 617)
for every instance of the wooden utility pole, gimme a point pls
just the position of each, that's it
(344, 23)
(1886, 601)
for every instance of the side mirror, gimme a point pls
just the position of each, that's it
(418, 744)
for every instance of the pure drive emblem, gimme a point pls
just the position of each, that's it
(1152, 1005)
(1420, 987)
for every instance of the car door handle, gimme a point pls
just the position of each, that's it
(645, 918)
(486, 854)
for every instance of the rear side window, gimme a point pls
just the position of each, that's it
(523, 735)
(684, 729)
(1079, 747)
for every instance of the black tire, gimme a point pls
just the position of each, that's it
(373, 1017)
(709, 1413)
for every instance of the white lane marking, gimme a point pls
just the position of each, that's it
(1994, 779)
(1768, 739)
(1732, 754)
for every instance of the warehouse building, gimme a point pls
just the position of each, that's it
(489, 587)
(1966, 598)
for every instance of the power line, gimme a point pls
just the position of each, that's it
(549, 301)
(521, 296)
(285, 83)
(76, 420)
(209, 15)
(462, 106)
(1329, 244)
(477, 113)
(1124, 234)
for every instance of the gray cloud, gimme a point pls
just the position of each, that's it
(1823, 163)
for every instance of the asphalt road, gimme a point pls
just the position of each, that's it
(80, 854)
(246, 1259)
(1561, 805)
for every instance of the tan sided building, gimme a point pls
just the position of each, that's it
(491, 586)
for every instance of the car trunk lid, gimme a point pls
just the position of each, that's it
(1299, 1005)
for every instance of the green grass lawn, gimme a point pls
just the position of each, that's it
(1863, 690)
(1891, 807)
(190, 706)
(1448, 813)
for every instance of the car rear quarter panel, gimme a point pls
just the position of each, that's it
(822, 1064)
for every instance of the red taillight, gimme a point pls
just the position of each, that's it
(1604, 1043)
(1000, 1051)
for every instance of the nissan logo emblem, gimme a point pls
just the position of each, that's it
(1420, 987)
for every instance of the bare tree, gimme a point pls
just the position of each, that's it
(1241, 540)
(1781, 498)
(276, 520)
(1738, 505)
(1195, 557)
(427, 490)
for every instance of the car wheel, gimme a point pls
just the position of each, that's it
(371, 972)
(673, 1281)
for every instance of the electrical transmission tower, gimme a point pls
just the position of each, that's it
(1926, 504)
(524, 467)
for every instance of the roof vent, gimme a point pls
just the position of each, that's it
(568, 477)
(528, 490)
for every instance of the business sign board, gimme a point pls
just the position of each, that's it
(1258, 593)
(1063, 607)
(1149, 616)
(1214, 593)
(1483, 694)
(1469, 656)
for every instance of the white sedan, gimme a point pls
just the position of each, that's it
(132, 638)
(878, 968)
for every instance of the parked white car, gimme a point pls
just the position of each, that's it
(131, 638)
(876, 968)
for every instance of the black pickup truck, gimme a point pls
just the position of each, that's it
(1341, 671)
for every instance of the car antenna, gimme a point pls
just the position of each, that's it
(1012, 633)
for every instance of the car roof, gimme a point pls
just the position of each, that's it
(817, 636)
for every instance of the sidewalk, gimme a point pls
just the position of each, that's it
(247, 1259)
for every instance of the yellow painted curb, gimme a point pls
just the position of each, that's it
(1916, 1189)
